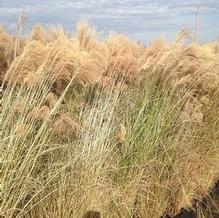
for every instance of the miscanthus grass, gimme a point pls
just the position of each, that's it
(106, 129)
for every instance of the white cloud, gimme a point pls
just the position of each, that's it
(10, 11)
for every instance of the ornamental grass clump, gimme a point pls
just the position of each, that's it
(107, 128)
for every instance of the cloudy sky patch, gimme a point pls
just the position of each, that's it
(139, 19)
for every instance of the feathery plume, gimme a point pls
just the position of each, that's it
(51, 99)
(38, 34)
(18, 107)
(86, 35)
(122, 134)
(22, 130)
(65, 123)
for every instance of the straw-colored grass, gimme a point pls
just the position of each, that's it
(107, 129)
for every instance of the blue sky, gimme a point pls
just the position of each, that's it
(141, 20)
